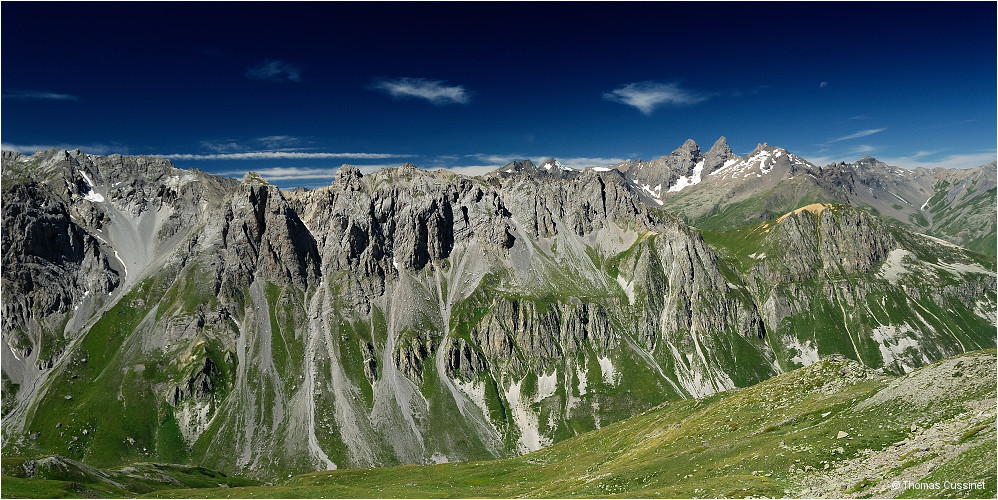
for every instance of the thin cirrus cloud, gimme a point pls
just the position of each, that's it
(38, 95)
(95, 149)
(648, 95)
(928, 159)
(437, 92)
(269, 143)
(274, 70)
(281, 174)
(280, 155)
(857, 135)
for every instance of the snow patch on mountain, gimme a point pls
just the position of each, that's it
(91, 195)
(761, 162)
(692, 179)
(655, 194)
(475, 390)
(556, 164)
(525, 420)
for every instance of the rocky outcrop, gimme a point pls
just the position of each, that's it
(464, 361)
(413, 351)
(830, 243)
(199, 383)
(50, 266)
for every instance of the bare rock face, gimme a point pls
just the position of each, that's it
(412, 353)
(199, 384)
(829, 243)
(719, 153)
(261, 233)
(50, 266)
(464, 362)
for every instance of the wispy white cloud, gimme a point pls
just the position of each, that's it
(94, 149)
(274, 70)
(962, 160)
(277, 174)
(857, 135)
(437, 92)
(293, 177)
(278, 141)
(270, 142)
(286, 173)
(646, 96)
(497, 159)
(280, 155)
(946, 125)
(221, 146)
(42, 95)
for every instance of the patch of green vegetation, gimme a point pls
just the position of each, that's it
(972, 474)
(19, 487)
(741, 246)
(774, 203)
(739, 443)
(98, 400)
(255, 179)
(972, 432)
(9, 395)
(861, 485)
(18, 171)
(189, 292)
(62, 478)
(918, 219)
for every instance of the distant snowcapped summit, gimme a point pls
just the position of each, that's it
(550, 168)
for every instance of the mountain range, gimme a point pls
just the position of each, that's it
(408, 316)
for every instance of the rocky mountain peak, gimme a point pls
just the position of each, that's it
(553, 163)
(869, 161)
(549, 168)
(720, 147)
(689, 149)
(350, 176)
(254, 179)
(719, 153)
(407, 169)
(519, 166)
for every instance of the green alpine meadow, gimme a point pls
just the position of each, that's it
(699, 325)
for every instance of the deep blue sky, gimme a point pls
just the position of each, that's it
(298, 89)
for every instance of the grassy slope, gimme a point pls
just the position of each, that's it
(768, 439)
(954, 325)
(66, 478)
(786, 196)
(952, 221)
